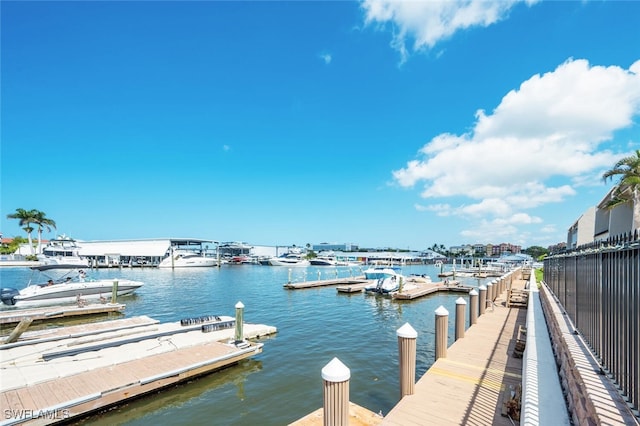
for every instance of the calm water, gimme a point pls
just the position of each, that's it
(283, 383)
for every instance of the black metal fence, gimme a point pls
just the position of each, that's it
(599, 286)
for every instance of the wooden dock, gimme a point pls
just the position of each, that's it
(56, 312)
(53, 376)
(413, 289)
(422, 289)
(473, 383)
(325, 283)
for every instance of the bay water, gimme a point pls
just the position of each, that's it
(283, 383)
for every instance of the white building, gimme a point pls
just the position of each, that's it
(583, 230)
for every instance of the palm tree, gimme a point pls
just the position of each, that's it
(26, 218)
(628, 187)
(41, 219)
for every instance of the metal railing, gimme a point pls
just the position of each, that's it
(599, 287)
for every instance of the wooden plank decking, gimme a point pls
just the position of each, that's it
(14, 316)
(423, 289)
(468, 385)
(324, 283)
(40, 389)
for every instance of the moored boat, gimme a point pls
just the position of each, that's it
(292, 258)
(375, 272)
(387, 282)
(72, 289)
(323, 261)
(59, 256)
(186, 259)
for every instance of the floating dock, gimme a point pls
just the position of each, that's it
(56, 312)
(416, 290)
(412, 290)
(324, 283)
(54, 375)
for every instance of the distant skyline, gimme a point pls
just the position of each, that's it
(378, 123)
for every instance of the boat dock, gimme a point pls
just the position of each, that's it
(57, 312)
(414, 289)
(423, 289)
(474, 378)
(325, 283)
(472, 384)
(53, 375)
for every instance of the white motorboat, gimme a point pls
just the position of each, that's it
(74, 289)
(375, 272)
(387, 281)
(186, 259)
(289, 259)
(61, 258)
(324, 261)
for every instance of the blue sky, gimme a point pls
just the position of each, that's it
(379, 123)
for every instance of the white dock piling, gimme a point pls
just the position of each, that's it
(239, 335)
(442, 321)
(461, 306)
(335, 376)
(407, 337)
(473, 307)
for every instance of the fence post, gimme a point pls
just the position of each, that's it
(407, 353)
(335, 376)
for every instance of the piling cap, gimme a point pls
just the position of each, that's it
(407, 331)
(460, 301)
(336, 371)
(482, 287)
(473, 292)
(239, 305)
(442, 311)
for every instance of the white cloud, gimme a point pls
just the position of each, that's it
(326, 58)
(540, 143)
(429, 22)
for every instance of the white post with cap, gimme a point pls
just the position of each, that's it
(335, 377)
(407, 338)
(442, 322)
(239, 335)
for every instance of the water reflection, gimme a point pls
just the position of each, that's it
(283, 383)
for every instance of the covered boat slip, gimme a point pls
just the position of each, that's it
(140, 253)
(53, 375)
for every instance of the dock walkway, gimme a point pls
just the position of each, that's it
(56, 312)
(467, 386)
(325, 283)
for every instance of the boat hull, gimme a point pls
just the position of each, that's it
(284, 262)
(189, 263)
(322, 262)
(384, 285)
(38, 295)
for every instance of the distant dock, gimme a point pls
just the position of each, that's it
(325, 283)
(413, 290)
(51, 376)
(423, 289)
